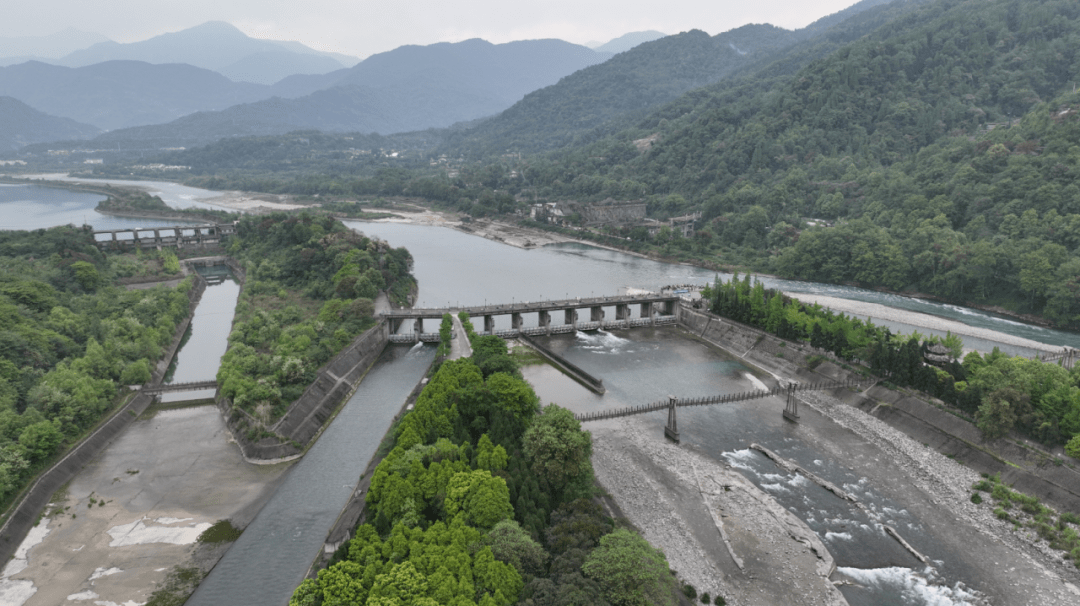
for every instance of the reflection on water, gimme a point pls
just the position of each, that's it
(200, 356)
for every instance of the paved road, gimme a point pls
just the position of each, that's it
(459, 345)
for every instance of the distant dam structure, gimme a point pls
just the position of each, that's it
(654, 310)
(179, 236)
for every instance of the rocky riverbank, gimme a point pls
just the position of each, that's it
(720, 533)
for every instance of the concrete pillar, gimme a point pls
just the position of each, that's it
(515, 321)
(596, 314)
(646, 310)
(570, 316)
(545, 321)
(668, 308)
(489, 324)
(622, 311)
(418, 326)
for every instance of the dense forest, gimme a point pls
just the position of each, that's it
(310, 289)
(487, 499)
(70, 339)
(915, 146)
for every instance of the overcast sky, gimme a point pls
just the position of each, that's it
(364, 27)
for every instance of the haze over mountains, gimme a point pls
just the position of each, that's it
(22, 125)
(220, 47)
(172, 90)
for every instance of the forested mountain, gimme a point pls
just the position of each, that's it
(121, 94)
(217, 46)
(603, 98)
(939, 140)
(22, 125)
(409, 88)
(904, 138)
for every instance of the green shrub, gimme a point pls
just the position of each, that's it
(689, 591)
(705, 599)
(720, 601)
(221, 532)
(975, 498)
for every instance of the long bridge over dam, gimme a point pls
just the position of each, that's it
(653, 309)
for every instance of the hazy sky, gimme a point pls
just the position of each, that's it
(364, 27)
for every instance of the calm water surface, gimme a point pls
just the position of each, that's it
(35, 207)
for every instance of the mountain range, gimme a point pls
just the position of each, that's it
(217, 46)
(22, 125)
(17, 49)
(408, 88)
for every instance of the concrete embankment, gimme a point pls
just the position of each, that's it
(1026, 467)
(24, 515)
(593, 384)
(310, 412)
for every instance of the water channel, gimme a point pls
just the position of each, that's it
(637, 366)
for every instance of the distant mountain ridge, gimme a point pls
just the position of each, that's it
(120, 94)
(51, 46)
(626, 42)
(22, 125)
(217, 46)
(408, 88)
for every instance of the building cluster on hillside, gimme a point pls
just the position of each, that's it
(610, 213)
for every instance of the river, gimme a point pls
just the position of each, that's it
(638, 366)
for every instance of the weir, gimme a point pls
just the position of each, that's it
(656, 310)
(181, 236)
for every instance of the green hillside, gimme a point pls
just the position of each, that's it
(605, 98)
(903, 138)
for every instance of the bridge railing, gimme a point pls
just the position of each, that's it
(189, 386)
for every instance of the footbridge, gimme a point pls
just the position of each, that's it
(654, 309)
(155, 390)
(179, 236)
(671, 430)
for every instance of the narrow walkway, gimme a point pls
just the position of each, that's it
(382, 303)
(459, 345)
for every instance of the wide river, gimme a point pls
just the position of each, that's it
(637, 367)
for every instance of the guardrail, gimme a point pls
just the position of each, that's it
(717, 399)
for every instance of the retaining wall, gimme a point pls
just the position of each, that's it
(307, 415)
(25, 514)
(592, 383)
(923, 421)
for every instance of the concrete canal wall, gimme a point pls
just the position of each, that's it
(23, 516)
(1027, 468)
(310, 412)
